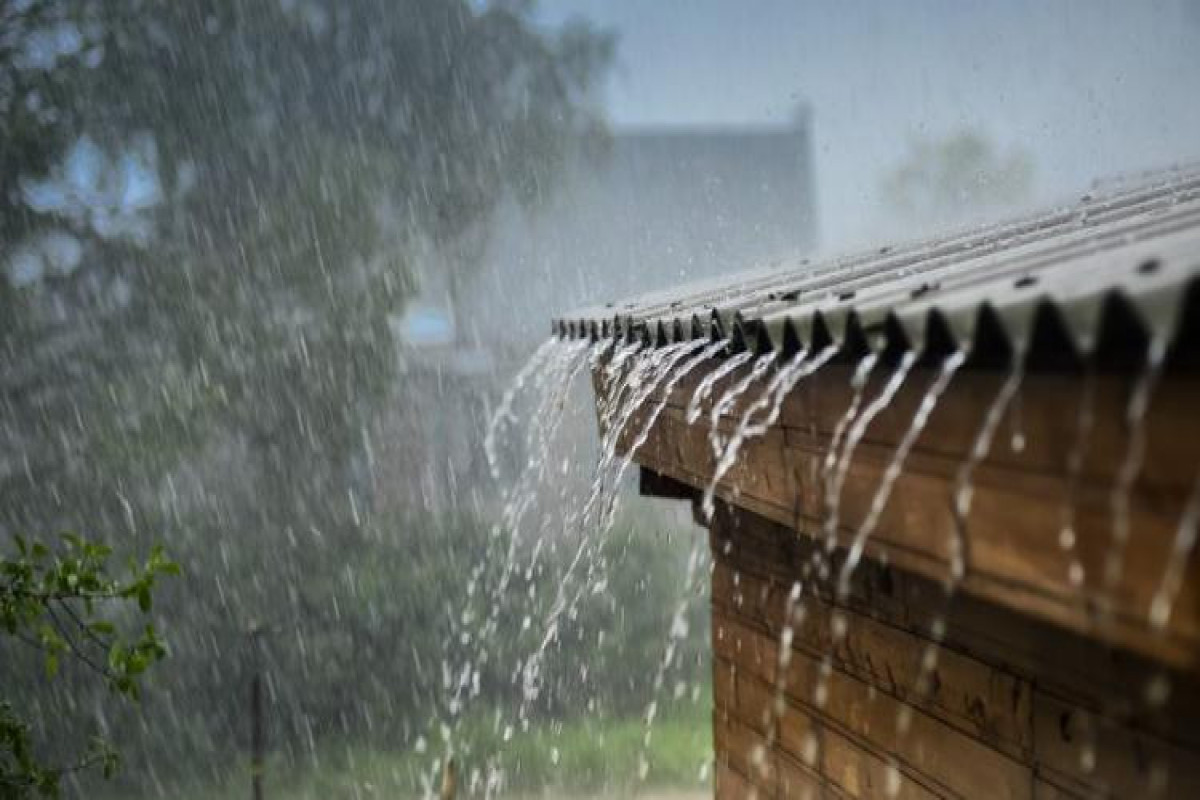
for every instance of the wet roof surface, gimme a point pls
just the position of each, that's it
(1099, 280)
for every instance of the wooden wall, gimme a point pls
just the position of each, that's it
(1006, 706)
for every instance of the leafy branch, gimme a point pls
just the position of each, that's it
(52, 599)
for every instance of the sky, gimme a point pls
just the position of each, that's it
(1088, 89)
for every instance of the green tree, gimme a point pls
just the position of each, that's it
(209, 361)
(53, 601)
(953, 179)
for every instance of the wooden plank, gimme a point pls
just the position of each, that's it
(990, 704)
(1091, 754)
(925, 745)
(1073, 667)
(731, 784)
(853, 769)
(741, 748)
(797, 782)
(1045, 413)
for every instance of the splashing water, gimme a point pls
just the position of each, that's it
(895, 466)
(855, 434)
(771, 399)
(710, 380)
(964, 488)
(1178, 560)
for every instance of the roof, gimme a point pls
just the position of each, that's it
(1096, 280)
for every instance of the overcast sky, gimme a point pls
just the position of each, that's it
(1088, 89)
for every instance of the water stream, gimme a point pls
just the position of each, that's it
(858, 385)
(895, 466)
(964, 487)
(503, 414)
(771, 399)
(1131, 465)
(705, 387)
(1178, 560)
(855, 434)
(1085, 422)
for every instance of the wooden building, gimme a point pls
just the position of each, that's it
(1025, 619)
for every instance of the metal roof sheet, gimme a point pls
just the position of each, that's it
(1083, 282)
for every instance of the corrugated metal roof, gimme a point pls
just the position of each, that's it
(1096, 279)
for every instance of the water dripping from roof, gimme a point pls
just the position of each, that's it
(853, 437)
(503, 415)
(858, 384)
(706, 386)
(705, 356)
(964, 487)
(1085, 422)
(648, 372)
(961, 499)
(771, 399)
(728, 400)
(855, 434)
(895, 467)
(1131, 463)
(675, 635)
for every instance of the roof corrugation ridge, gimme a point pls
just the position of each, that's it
(1142, 245)
(714, 292)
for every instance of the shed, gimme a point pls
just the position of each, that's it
(952, 496)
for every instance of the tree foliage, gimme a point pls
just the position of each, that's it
(953, 179)
(209, 212)
(54, 601)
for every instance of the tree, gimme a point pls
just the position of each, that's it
(51, 601)
(952, 180)
(208, 361)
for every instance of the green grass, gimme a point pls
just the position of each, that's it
(584, 757)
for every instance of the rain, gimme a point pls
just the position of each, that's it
(598, 399)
